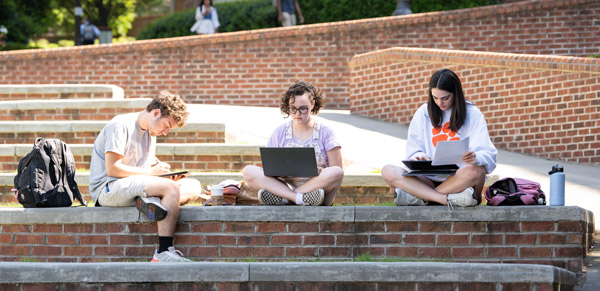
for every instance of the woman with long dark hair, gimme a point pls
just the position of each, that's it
(445, 116)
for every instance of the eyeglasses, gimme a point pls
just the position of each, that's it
(303, 110)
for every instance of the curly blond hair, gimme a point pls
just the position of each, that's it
(170, 105)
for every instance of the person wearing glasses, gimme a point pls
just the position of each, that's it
(301, 101)
(445, 116)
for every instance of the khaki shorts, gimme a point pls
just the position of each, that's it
(122, 192)
(288, 19)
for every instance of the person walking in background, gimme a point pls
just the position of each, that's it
(89, 32)
(207, 20)
(445, 116)
(301, 101)
(287, 12)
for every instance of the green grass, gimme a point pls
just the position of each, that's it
(368, 258)
(27, 260)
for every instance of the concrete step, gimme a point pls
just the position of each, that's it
(59, 91)
(85, 132)
(286, 276)
(69, 109)
(356, 188)
(194, 157)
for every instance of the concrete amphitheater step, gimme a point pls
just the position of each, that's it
(195, 157)
(85, 132)
(69, 109)
(288, 275)
(356, 188)
(59, 91)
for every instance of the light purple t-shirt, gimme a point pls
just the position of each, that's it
(326, 139)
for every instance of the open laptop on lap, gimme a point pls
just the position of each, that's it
(295, 162)
(418, 168)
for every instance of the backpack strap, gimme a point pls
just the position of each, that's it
(528, 199)
(70, 182)
(496, 200)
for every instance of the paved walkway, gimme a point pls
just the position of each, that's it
(368, 145)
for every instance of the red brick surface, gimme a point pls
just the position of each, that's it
(211, 241)
(546, 106)
(89, 137)
(26, 96)
(254, 67)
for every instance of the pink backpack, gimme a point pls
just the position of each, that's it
(515, 191)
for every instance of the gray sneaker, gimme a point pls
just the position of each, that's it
(170, 256)
(314, 198)
(403, 198)
(466, 198)
(151, 207)
(268, 198)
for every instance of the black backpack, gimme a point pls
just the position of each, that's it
(46, 176)
(88, 33)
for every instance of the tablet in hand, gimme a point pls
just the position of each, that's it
(184, 173)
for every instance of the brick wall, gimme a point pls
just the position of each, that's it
(192, 162)
(63, 113)
(254, 67)
(545, 236)
(26, 96)
(547, 106)
(88, 137)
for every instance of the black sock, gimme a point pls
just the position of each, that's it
(164, 242)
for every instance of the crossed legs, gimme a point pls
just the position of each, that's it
(329, 179)
(421, 187)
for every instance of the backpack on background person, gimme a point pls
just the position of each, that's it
(46, 176)
(89, 36)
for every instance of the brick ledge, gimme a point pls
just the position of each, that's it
(99, 215)
(479, 59)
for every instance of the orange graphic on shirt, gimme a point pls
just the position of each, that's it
(442, 134)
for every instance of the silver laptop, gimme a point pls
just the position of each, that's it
(295, 162)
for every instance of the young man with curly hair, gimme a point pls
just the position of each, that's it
(124, 169)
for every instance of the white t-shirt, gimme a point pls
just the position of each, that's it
(124, 136)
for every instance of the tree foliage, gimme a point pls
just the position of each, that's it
(115, 14)
(25, 18)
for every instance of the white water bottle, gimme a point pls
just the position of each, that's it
(557, 186)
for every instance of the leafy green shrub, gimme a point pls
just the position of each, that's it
(16, 46)
(233, 16)
(420, 6)
(256, 14)
(319, 11)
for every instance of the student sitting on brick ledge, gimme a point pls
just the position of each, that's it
(124, 169)
(301, 100)
(446, 116)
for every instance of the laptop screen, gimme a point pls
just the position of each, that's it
(294, 162)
